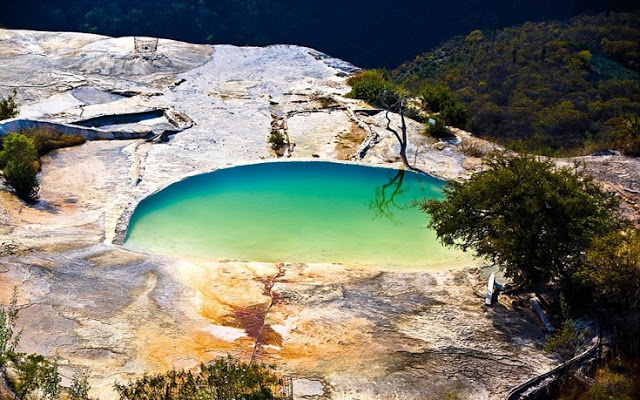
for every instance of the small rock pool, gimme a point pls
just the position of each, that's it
(296, 212)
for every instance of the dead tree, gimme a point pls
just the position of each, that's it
(401, 137)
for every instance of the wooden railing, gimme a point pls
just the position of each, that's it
(518, 391)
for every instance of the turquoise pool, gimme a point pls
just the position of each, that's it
(295, 212)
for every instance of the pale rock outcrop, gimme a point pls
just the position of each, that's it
(341, 332)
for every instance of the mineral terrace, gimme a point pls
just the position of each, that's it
(340, 331)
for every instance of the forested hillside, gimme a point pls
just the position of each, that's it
(373, 33)
(544, 86)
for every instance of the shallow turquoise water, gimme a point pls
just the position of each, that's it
(295, 212)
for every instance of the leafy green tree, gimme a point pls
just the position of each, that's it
(526, 214)
(50, 385)
(564, 341)
(18, 158)
(8, 106)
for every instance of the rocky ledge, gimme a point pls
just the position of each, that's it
(341, 332)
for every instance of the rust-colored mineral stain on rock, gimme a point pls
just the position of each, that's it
(251, 319)
(270, 337)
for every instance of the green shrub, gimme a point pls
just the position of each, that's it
(277, 140)
(18, 159)
(8, 107)
(223, 379)
(440, 99)
(434, 97)
(438, 130)
(373, 87)
(454, 113)
(16, 146)
(21, 175)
